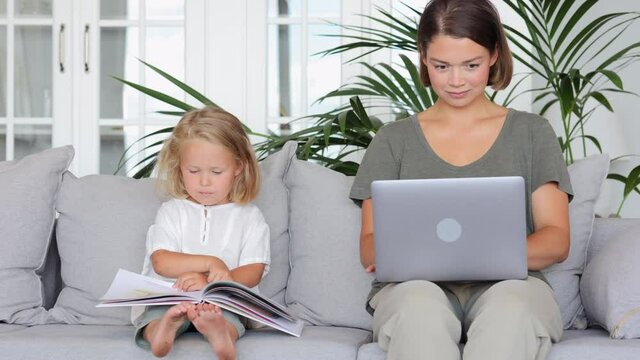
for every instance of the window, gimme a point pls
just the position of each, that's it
(297, 76)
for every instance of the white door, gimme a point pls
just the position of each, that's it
(58, 60)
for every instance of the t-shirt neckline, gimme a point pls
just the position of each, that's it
(423, 140)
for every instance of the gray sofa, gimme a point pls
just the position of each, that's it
(101, 225)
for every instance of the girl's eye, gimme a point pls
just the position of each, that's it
(193, 171)
(217, 172)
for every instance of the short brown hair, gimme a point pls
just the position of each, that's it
(219, 127)
(477, 20)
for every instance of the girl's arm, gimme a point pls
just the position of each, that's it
(367, 252)
(172, 264)
(549, 243)
(248, 275)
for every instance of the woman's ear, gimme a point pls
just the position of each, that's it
(494, 56)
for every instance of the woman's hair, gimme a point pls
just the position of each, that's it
(477, 20)
(218, 127)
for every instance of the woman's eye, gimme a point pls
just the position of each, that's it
(440, 67)
(473, 66)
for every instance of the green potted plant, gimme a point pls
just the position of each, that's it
(558, 39)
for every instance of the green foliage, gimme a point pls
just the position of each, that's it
(559, 45)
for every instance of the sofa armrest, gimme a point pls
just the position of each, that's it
(605, 229)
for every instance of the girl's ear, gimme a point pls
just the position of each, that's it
(239, 169)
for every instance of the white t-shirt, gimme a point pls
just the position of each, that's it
(236, 234)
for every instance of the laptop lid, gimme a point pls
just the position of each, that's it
(450, 229)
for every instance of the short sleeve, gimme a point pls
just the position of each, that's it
(164, 233)
(256, 247)
(378, 163)
(547, 161)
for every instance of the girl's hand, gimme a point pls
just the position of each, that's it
(219, 275)
(218, 270)
(191, 281)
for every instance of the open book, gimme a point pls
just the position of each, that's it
(131, 289)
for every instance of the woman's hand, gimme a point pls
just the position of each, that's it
(191, 281)
(371, 268)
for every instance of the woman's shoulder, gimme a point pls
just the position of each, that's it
(398, 127)
(526, 119)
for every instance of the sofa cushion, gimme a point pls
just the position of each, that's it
(593, 344)
(70, 342)
(28, 190)
(327, 285)
(102, 227)
(610, 286)
(587, 176)
(273, 201)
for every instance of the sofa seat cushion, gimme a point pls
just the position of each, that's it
(114, 342)
(7, 328)
(590, 344)
(594, 344)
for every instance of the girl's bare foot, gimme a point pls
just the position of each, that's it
(162, 333)
(208, 320)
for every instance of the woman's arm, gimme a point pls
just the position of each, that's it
(172, 264)
(367, 251)
(549, 242)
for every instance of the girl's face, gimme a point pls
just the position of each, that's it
(458, 69)
(208, 171)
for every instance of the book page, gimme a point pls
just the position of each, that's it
(129, 286)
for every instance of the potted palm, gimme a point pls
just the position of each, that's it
(566, 52)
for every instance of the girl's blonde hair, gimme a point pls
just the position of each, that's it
(219, 127)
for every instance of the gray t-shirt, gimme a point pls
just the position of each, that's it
(526, 146)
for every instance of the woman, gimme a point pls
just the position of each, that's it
(463, 49)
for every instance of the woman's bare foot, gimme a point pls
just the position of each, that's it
(222, 336)
(162, 333)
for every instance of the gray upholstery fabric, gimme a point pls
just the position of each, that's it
(50, 274)
(7, 328)
(605, 229)
(327, 285)
(102, 227)
(594, 344)
(610, 286)
(81, 342)
(586, 176)
(273, 201)
(28, 189)
(590, 344)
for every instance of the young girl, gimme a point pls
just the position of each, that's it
(207, 232)
(463, 49)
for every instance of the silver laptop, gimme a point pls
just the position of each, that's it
(450, 229)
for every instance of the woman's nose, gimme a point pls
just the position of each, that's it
(455, 77)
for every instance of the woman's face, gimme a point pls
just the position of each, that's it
(458, 69)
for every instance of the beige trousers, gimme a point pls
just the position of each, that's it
(510, 320)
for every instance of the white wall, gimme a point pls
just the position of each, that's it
(236, 79)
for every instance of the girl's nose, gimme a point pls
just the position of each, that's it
(205, 180)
